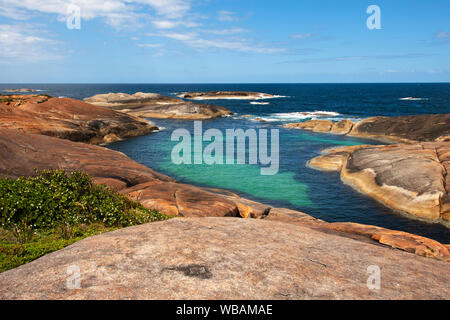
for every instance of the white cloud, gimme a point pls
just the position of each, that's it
(301, 36)
(443, 35)
(193, 40)
(228, 16)
(170, 24)
(173, 9)
(21, 43)
(114, 12)
(150, 45)
(226, 31)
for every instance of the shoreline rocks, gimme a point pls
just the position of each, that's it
(403, 129)
(411, 178)
(20, 90)
(216, 95)
(152, 105)
(70, 119)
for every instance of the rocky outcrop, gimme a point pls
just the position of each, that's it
(404, 129)
(21, 154)
(154, 105)
(411, 178)
(223, 258)
(69, 119)
(215, 95)
(20, 90)
(312, 125)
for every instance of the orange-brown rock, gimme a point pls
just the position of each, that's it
(312, 125)
(22, 153)
(334, 158)
(396, 239)
(409, 178)
(69, 119)
(342, 127)
(153, 105)
(403, 129)
(409, 129)
(225, 258)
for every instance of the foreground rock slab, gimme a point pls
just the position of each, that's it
(409, 178)
(404, 129)
(153, 105)
(225, 258)
(69, 119)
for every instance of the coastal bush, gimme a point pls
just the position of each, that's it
(7, 99)
(53, 209)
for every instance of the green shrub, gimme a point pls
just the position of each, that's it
(41, 214)
(7, 99)
(58, 200)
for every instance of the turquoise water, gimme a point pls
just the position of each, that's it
(295, 186)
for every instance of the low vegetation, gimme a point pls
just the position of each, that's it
(45, 213)
(7, 99)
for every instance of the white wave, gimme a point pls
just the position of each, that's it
(259, 97)
(294, 116)
(412, 99)
(259, 103)
(304, 115)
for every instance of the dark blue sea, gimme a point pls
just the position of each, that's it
(296, 186)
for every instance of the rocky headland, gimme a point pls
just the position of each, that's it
(69, 119)
(22, 90)
(410, 178)
(153, 105)
(216, 95)
(406, 129)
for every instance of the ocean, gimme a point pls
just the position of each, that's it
(320, 194)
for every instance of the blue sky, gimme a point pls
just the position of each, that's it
(226, 41)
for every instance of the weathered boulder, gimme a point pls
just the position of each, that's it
(418, 245)
(430, 127)
(404, 129)
(213, 95)
(342, 127)
(312, 125)
(182, 200)
(69, 119)
(22, 153)
(153, 105)
(20, 90)
(225, 258)
(410, 178)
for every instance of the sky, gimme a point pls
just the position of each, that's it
(223, 41)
